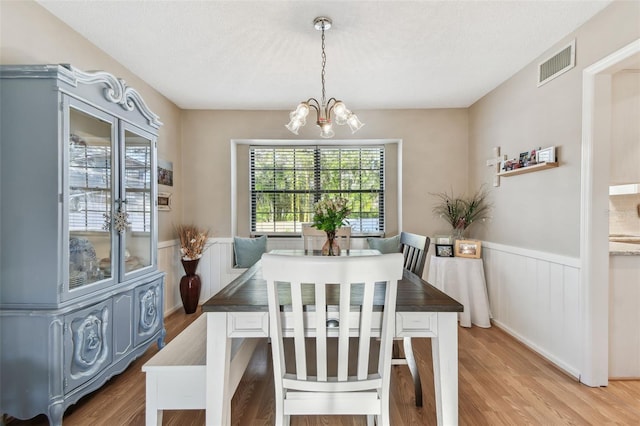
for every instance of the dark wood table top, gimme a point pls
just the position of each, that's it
(248, 293)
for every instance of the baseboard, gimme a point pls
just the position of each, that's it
(540, 351)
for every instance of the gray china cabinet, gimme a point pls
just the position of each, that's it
(80, 292)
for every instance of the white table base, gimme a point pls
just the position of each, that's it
(223, 326)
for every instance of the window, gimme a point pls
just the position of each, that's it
(286, 181)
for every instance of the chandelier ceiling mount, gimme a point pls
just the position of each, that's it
(326, 108)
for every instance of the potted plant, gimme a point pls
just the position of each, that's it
(462, 212)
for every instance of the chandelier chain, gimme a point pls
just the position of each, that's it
(324, 63)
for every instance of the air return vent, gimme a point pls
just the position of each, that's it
(557, 64)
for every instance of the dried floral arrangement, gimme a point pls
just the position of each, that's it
(193, 241)
(461, 212)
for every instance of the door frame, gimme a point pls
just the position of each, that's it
(594, 214)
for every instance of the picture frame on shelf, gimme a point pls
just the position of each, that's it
(468, 248)
(547, 155)
(164, 201)
(443, 239)
(524, 159)
(444, 250)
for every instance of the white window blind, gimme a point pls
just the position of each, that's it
(286, 181)
(90, 186)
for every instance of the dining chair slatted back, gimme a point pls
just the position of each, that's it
(313, 238)
(303, 294)
(414, 248)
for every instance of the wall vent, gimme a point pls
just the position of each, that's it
(557, 64)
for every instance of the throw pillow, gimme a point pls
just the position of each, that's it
(248, 250)
(385, 245)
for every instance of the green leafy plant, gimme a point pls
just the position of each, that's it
(330, 214)
(461, 212)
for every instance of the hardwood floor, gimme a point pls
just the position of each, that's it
(501, 383)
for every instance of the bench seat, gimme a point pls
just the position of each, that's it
(176, 375)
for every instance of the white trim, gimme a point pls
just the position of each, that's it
(574, 262)
(302, 142)
(167, 243)
(594, 297)
(234, 185)
(399, 180)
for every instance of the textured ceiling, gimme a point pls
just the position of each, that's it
(380, 54)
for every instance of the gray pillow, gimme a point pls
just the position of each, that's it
(385, 245)
(248, 250)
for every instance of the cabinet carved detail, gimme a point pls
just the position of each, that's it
(90, 344)
(149, 309)
(117, 92)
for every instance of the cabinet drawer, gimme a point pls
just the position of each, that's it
(416, 324)
(248, 324)
(147, 306)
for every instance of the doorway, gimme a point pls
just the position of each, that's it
(594, 223)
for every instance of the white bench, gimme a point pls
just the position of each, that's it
(176, 374)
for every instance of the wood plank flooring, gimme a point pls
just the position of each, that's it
(501, 383)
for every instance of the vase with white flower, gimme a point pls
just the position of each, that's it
(329, 215)
(193, 242)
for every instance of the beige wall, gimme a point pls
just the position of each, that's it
(541, 210)
(442, 150)
(29, 34)
(434, 152)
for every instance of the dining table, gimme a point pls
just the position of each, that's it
(241, 311)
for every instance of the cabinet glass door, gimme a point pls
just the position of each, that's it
(90, 191)
(138, 193)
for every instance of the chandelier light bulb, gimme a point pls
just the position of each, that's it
(354, 123)
(326, 130)
(325, 108)
(301, 111)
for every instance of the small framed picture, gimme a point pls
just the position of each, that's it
(524, 159)
(468, 248)
(164, 201)
(547, 155)
(165, 172)
(443, 239)
(444, 250)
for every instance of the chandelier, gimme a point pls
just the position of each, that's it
(324, 109)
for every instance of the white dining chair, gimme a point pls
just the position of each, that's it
(332, 298)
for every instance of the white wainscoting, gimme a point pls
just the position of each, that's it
(216, 266)
(535, 297)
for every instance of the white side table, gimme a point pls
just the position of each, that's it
(463, 279)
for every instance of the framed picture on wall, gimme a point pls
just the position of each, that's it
(165, 172)
(468, 248)
(164, 201)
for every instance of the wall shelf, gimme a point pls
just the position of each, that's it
(529, 169)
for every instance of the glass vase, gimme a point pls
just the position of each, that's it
(331, 247)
